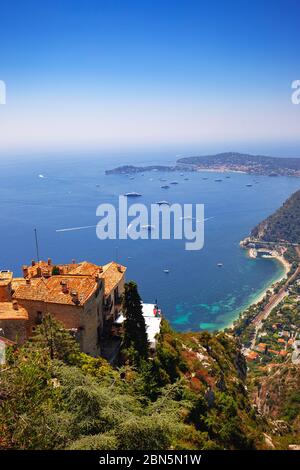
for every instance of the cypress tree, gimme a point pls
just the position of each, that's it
(135, 328)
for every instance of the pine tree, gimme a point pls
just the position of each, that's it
(135, 328)
(51, 335)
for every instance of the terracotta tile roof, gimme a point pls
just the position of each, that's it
(252, 355)
(86, 268)
(51, 289)
(273, 351)
(43, 266)
(283, 352)
(7, 312)
(112, 274)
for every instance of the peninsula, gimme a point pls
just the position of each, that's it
(228, 161)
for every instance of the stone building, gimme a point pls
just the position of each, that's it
(82, 296)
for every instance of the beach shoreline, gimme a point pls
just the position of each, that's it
(261, 295)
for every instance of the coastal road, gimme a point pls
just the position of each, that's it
(274, 301)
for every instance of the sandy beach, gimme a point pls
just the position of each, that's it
(260, 296)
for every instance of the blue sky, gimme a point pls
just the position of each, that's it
(130, 74)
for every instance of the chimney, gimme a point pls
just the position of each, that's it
(120, 268)
(39, 271)
(100, 269)
(33, 263)
(25, 271)
(15, 305)
(74, 295)
(64, 287)
(27, 281)
(49, 261)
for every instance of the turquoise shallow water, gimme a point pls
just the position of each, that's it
(196, 294)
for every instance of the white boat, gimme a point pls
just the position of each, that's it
(220, 265)
(148, 227)
(163, 203)
(166, 271)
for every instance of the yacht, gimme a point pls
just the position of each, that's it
(133, 194)
(163, 203)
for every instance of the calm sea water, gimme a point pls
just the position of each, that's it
(196, 294)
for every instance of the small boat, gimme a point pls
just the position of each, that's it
(174, 182)
(162, 179)
(186, 179)
(163, 203)
(131, 177)
(181, 174)
(41, 176)
(220, 265)
(166, 271)
(218, 180)
(148, 227)
(249, 185)
(205, 178)
(227, 176)
(165, 186)
(133, 194)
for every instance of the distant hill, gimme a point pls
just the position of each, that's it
(284, 224)
(229, 161)
(257, 164)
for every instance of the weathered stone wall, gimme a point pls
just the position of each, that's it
(5, 293)
(15, 329)
(88, 319)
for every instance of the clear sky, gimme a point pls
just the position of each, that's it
(131, 74)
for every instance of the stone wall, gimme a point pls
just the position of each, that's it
(15, 329)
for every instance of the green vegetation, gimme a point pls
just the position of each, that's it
(234, 161)
(258, 164)
(284, 224)
(135, 339)
(190, 395)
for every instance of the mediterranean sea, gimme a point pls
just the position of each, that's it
(63, 192)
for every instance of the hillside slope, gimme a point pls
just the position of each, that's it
(257, 164)
(284, 224)
(191, 395)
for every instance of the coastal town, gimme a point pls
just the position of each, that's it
(271, 326)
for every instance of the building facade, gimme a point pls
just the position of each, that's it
(76, 294)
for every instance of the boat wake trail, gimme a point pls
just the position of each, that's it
(72, 229)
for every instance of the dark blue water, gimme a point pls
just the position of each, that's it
(196, 293)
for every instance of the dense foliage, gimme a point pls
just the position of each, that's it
(190, 395)
(135, 337)
(284, 224)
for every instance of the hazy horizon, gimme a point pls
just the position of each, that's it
(128, 76)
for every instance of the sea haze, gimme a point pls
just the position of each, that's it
(196, 294)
